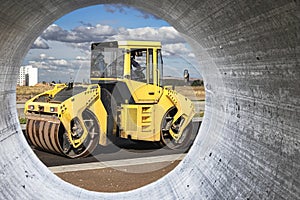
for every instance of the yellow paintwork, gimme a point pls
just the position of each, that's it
(184, 105)
(139, 121)
(73, 107)
(139, 44)
(161, 99)
(142, 92)
(147, 124)
(46, 105)
(127, 69)
(155, 70)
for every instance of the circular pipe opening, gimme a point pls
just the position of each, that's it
(47, 53)
(249, 136)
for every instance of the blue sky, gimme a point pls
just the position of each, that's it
(111, 15)
(62, 51)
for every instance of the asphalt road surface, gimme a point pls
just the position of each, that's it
(121, 149)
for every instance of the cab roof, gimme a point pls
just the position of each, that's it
(128, 44)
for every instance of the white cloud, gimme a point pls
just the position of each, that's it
(168, 35)
(179, 50)
(94, 31)
(82, 36)
(176, 49)
(79, 34)
(60, 62)
(56, 33)
(191, 55)
(40, 43)
(39, 64)
(70, 49)
(43, 56)
(98, 33)
(81, 58)
(51, 58)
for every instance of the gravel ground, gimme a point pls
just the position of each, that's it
(117, 179)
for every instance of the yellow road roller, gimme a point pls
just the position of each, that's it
(125, 98)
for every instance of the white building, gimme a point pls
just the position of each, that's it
(28, 76)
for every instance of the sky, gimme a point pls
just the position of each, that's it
(62, 51)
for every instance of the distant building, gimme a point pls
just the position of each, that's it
(28, 76)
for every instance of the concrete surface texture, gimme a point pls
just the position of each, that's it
(248, 145)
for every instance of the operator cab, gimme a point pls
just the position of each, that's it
(134, 60)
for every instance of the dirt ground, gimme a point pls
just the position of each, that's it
(24, 93)
(196, 93)
(117, 179)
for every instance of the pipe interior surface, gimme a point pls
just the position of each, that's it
(248, 144)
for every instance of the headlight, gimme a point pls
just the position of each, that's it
(31, 107)
(53, 109)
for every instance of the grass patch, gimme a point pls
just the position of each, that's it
(199, 114)
(22, 120)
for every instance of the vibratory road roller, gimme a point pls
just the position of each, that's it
(126, 99)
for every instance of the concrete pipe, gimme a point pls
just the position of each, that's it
(248, 145)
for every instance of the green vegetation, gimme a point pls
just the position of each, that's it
(199, 114)
(197, 83)
(22, 120)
